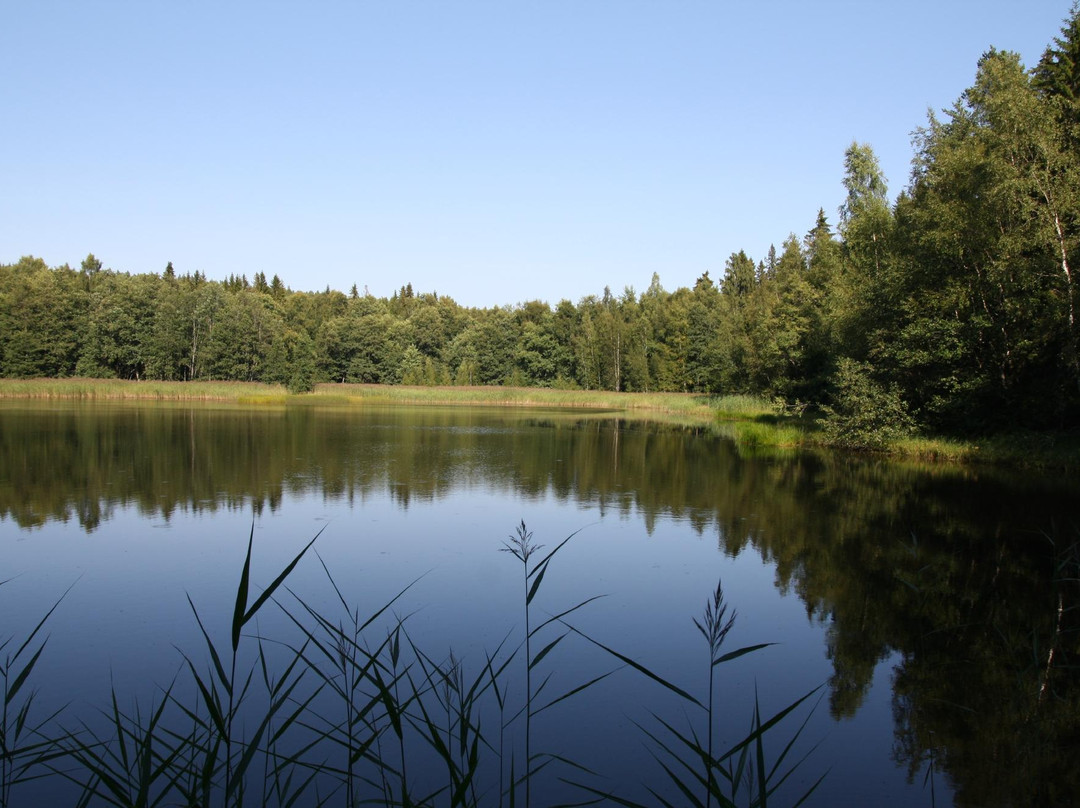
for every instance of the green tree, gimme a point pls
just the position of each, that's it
(42, 319)
(830, 304)
(241, 339)
(412, 366)
(542, 359)
(779, 313)
(337, 344)
(703, 325)
(655, 334)
(989, 320)
(120, 327)
(866, 226)
(168, 342)
(207, 300)
(495, 342)
(291, 361)
(1058, 72)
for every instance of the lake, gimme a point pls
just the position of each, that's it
(930, 611)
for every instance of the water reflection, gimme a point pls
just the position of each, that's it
(969, 578)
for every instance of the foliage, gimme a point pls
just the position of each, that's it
(865, 414)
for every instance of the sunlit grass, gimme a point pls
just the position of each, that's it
(124, 389)
(256, 393)
(1020, 450)
(683, 403)
(741, 407)
(756, 434)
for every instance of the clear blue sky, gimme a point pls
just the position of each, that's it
(494, 151)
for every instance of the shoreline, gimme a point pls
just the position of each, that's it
(753, 422)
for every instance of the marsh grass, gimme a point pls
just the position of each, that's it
(337, 718)
(758, 435)
(676, 403)
(746, 407)
(123, 389)
(259, 394)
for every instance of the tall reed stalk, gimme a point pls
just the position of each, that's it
(714, 627)
(524, 549)
(698, 775)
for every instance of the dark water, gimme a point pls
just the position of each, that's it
(927, 601)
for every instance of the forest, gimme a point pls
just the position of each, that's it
(951, 310)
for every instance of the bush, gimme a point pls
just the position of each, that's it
(865, 413)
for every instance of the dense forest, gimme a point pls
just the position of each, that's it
(951, 309)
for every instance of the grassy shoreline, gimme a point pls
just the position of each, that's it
(753, 422)
(257, 393)
(127, 390)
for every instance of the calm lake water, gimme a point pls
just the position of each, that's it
(923, 601)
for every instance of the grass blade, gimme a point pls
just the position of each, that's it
(546, 650)
(215, 658)
(24, 674)
(740, 652)
(242, 592)
(269, 591)
(639, 668)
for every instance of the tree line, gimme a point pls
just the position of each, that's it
(952, 308)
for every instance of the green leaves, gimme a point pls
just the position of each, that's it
(865, 414)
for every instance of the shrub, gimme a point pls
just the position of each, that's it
(865, 413)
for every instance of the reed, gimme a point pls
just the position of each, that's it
(522, 547)
(24, 747)
(154, 762)
(335, 719)
(349, 666)
(744, 407)
(698, 775)
(758, 435)
(676, 403)
(127, 390)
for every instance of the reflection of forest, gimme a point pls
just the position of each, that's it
(971, 577)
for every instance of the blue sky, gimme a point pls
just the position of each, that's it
(497, 152)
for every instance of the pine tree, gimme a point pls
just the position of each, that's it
(1058, 71)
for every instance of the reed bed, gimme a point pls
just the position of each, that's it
(1020, 450)
(519, 397)
(352, 711)
(745, 407)
(125, 389)
(257, 393)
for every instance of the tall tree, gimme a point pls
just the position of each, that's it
(990, 230)
(1058, 71)
(866, 225)
(703, 323)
